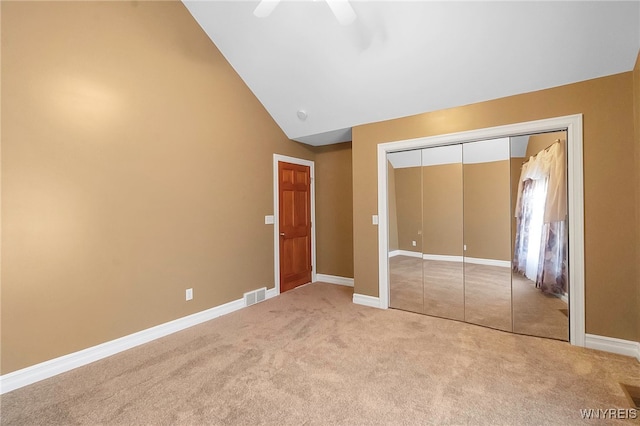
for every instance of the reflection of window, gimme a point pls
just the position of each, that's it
(534, 200)
(541, 208)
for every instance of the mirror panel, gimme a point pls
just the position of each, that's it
(540, 302)
(462, 233)
(487, 233)
(442, 231)
(405, 230)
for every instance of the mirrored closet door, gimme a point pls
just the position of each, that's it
(487, 233)
(477, 233)
(539, 229)
(405, 230)
(442, 220)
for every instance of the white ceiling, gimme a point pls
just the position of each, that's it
(402, 58)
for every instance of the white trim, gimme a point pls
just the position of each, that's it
(383, 228)
(488, 262)
(334, 279)
(449, 258)
(613, 345)
(407, 253)
(53, 367)
(442, 257)
(573, 125)
(272, 292)
(276, 215)
(363, 299)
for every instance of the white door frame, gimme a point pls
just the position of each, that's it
(573, 125)
(277, 158)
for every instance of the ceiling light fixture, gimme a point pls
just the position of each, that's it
(341, 9)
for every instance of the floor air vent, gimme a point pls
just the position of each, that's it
(255, 296)
(633, 392)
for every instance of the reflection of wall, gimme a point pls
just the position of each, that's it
(611, 273)
(516, 168)
(393, 215)
(409, 207)
(334, 210)
(442, 209)
(541, 141)
(487, 225)
(442, 205)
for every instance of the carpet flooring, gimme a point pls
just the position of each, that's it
(310, 356)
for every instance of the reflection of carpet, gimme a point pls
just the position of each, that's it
(565, 312)
(476, 294)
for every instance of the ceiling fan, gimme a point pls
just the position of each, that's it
(341, 9)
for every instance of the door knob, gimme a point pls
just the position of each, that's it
(282, 234)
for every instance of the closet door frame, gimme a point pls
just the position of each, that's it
(575, 180)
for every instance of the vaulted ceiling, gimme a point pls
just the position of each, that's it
(402, 58)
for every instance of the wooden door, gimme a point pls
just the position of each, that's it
(294, 187)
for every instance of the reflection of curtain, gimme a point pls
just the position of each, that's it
(529, 229)
(541, 238)
(552, 270)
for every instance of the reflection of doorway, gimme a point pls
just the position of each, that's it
(573, 126)
(294, 207)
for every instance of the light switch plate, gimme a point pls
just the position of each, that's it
(374, 219)
(268, 220)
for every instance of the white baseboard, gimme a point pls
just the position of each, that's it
(488, 262)
(53, 367)
(407, 253)
(442, 258)
(334, 279)
(613, 345)
(363, 299)
(272, 292)
(446, 258)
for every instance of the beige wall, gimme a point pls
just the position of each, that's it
(487, 210)
(135, 164)
(409, 208)
(442, 209)
(636, 115)
(334, 210)
(611, 234)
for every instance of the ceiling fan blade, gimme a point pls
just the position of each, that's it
(343, 11)
(265, 7)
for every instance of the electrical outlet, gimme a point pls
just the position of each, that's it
(413, 243)
(189, 294)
